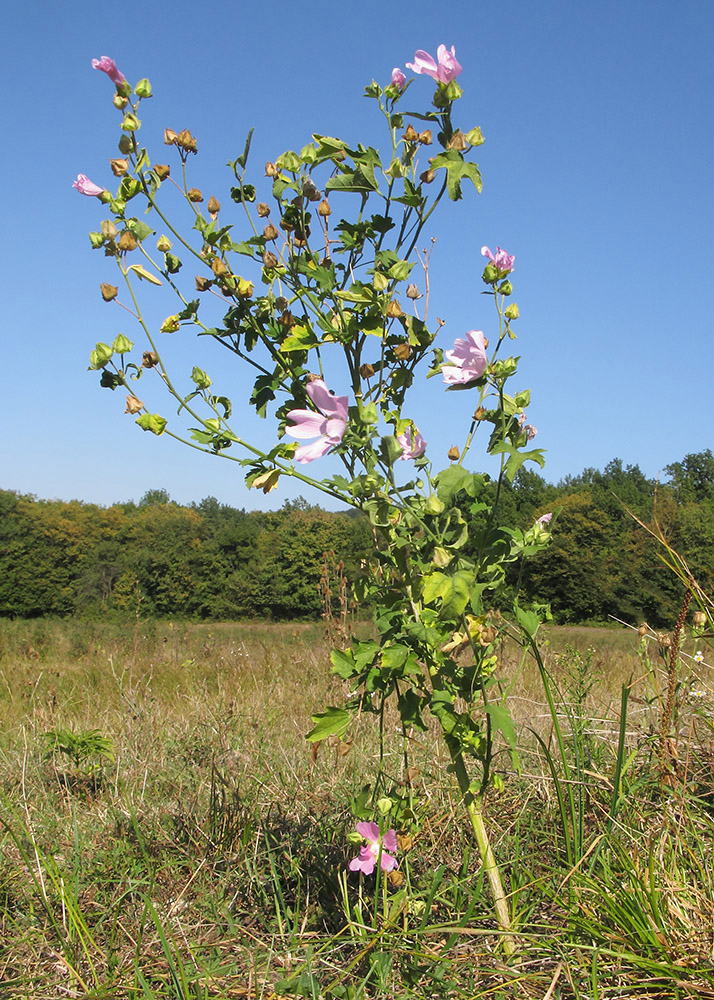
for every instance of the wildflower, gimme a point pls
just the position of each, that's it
(444, 71)
(398, 78)
(412, 443)
(699, 656)
(330, 423)
(468, 359)
(503, 261)
(698, 694)
(85, 186)
(375, 844)
(544, 520)
(108, 66)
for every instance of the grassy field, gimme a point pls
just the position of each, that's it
(166, 831)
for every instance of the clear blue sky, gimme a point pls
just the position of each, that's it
(597, 175)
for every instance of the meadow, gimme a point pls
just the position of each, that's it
(167, 832)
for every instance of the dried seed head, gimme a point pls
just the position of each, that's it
(133, 405)
(162, 170)
(413, 292)
(394, 310)
(263, 210)
(269, 259)
(170, 137)
(428, 176)
(366, 370)
(324, 209)
(194, 195)
(411, 134)
(458, 141)
(453, 453)
(218, 267)
(271, 170)
(402, 351)
(699, 619)
(119, 167)
(186, 141)
(214, 206)
(149, 359)
(108, 229)
(127, 241)
(270, 232)
(202, 284)
(425, 137)
(109, 292)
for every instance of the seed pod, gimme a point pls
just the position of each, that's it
(194, 195)
(324, 209)
(411, 134)
(271, 170)
(170, 137)
(162, 170)
(413, 292)
(163, 244)
(133, 405)
(186, 141)
(109, 292)
(458, 141)
(425, 137)
(269, 259)
(366, 370)
(428, 176)
(270, 232)
(127, 241)
(218, 267)
(202, 284)
(214, 206)
(394, 310)
(402, 352)
(119, 167)
(263, 210)
(453, 453)
(149, 359)
(109, 230)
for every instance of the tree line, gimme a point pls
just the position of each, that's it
(212, 561)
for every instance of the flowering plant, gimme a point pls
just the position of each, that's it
(304, 303)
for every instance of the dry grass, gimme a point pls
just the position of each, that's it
(207, 858)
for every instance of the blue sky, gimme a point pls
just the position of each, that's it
(597, 175)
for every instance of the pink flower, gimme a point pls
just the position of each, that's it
(412, 443)
(503, 261)
(330, 423)
(444, 72)
(468, 359)
(108, 66)
(368, 854)
(398, 78)
(544, 520)
(85, 186)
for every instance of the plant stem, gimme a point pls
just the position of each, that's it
(474, 807)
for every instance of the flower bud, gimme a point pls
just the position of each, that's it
(453, 453)
(97, 240)
(366, 370)
(119, 101)
(512, 312)
(163, 244)
(270, 232)
(170, 325)
(214, 206)
(124, 145)
(413, 292)
(505, 288)
(162, 170)
(133, 405)
(202, 284)
(457, 141)
(263, 210)
(149, 359)
(269, 259)
(119, 167)
(127, 241)
(271, 170)
(186, 141)
(143, 88)
(109, 292)
(402, 352)
(394, 310)
(108, 229)
(194, 195)
(130, 122)
(324, 209)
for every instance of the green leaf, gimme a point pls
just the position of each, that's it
(301, 338)
(457, 169)
(139, 229)
(332, 722)
(243, 158)
(453, 480)
(502, 720)
(152, 422)
(142, 273)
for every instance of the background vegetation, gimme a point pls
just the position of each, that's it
(213, 562)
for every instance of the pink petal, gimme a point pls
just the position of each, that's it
(387, 862)
(85, 186)
(424, 63)
(389, 840)
(108, 66)
(309, 452)
(398, 78)
(335, 430)
(331, 406)
(370, 831)
(308, 424)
